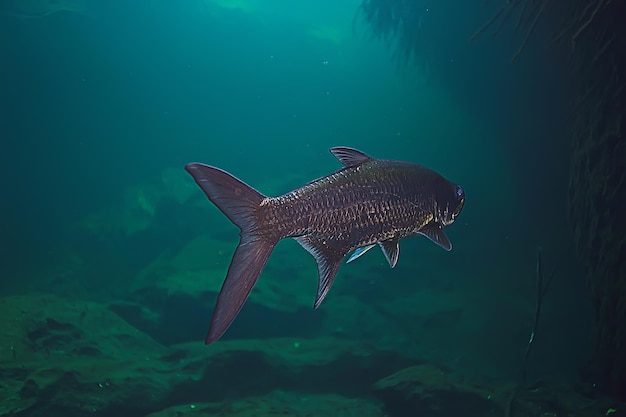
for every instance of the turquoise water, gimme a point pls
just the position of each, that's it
(102, 105)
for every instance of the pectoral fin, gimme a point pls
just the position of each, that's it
(435, 233)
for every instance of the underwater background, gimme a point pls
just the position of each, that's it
(112, 257)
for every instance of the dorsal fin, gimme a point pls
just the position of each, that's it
(349, 157)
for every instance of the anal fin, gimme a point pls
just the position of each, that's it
(328, 257)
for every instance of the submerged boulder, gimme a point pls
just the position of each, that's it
(69, 357)
(426, 390)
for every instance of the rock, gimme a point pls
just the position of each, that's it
(77, 358)
(177, 184)
(130, 216)
(280, 403)
(70, 356)
(426, 390)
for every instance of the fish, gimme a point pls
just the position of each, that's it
(367, 202)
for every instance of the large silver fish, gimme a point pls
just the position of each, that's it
(367, 202)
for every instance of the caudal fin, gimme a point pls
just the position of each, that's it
(239, 202)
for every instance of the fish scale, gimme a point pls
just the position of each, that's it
(366, 208)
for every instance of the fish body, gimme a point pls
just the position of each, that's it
(366, 203)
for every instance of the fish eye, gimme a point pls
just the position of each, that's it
(459, 192)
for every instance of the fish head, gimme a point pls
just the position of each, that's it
(450, 204)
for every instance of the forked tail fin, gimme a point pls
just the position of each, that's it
(239, 202)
